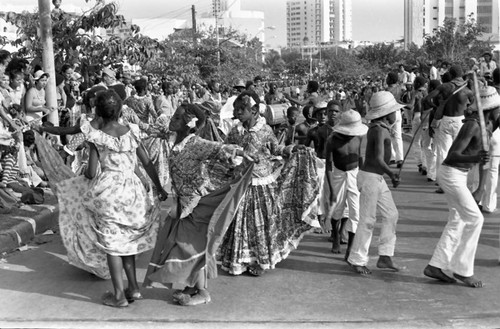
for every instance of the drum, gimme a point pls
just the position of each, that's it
(276, 114)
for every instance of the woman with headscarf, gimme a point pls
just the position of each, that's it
(208, 194)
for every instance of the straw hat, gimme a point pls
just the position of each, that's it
(239, 83)
(109, 72)
(320, 105)
(381, 104)
(489, 98)
(40, 74)
(350, 124)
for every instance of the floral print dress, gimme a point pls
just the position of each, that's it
(110, 214)
(278, 208)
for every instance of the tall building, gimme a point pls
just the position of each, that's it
(423, 17)
(313, 22)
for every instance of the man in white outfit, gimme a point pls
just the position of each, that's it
(375, 196)
(343, 158)
(455, 98)
(457, 246)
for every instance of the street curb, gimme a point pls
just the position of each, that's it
(23, 232)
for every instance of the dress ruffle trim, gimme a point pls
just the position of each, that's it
(125, 143)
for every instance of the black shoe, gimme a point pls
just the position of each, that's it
(424, 172)
(420, 168)
(430, 180)
(399, 164)
(392, 162)
(439, 191)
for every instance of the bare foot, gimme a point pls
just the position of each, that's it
(386, 262)
(469, 281)
(336, 248)
(438, 274)
(363, 270)
(325, 229)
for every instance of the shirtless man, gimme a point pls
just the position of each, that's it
(447, 120)
(457, 246)
(374, 193)
(304, 127)
(343, 156)
(313, 135)
(312, 92)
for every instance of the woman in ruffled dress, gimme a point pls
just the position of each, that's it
(208, 192)
(278, 208)
(116, 199)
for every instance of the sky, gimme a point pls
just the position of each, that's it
(373, 20)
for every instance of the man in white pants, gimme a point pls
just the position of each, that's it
(448, 117)
(343, 156)
(457, 246)
(375, 196)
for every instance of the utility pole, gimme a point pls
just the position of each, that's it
(193, 18)
(216, 14)
(48, 58)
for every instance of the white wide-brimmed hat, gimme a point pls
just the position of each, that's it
(350, 124)
(489, 98)
(40, 74)
(381, 104)
(109, 72)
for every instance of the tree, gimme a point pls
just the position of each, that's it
(75, 41)
(274, 63)
(456, 42)
(381, 55)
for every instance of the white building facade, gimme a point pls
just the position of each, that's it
(423, 17)
(311, 23)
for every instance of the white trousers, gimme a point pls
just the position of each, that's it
(457, 246)
(397, 138)
(418, 153)
(445, 135)
(489, 200)
(324, 190)
(374, 195)
(345, 190)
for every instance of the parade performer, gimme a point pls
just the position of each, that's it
(343, 156)
(457, 246)
(114, 202)
(208, 196)
(374, 193)
(276, 211)
(447, 119)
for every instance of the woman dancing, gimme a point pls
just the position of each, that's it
(278, 207)
(208, 194)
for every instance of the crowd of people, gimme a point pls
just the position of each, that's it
(252, 168)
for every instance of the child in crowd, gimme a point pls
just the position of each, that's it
(343, 155)
(374, 193)
(123, 230)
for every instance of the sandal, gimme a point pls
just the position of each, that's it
(109, 299)
(132, 296)
(202, 297)
(256, 270)
(177, 295)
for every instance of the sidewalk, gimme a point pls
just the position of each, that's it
(21, 225)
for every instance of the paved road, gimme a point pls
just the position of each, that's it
(311, 289)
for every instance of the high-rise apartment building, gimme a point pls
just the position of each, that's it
(312, 22)
(423, 17)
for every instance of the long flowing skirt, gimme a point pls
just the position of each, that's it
(273, 218)
(186, 246)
